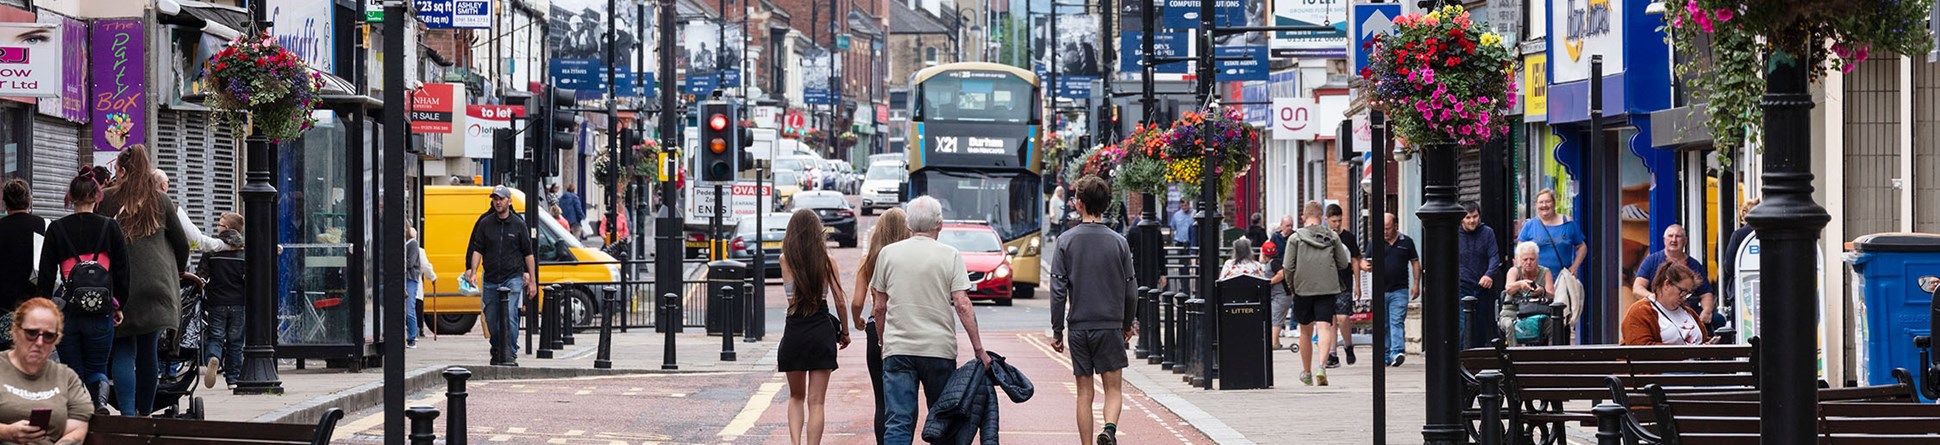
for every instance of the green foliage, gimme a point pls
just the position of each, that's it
(1443, 79)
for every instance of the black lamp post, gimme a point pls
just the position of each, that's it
(1788, 223)
(668, 249)
(1439, 214)
(1146, 241)
(259, 208)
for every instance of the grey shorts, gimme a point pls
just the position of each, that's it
(1282, 305)
(1344, 305)
(1095, 351)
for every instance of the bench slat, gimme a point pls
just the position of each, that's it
(1521, 354)
(1721, 382)
(165, 427)
(1620, 368)
(142, 439)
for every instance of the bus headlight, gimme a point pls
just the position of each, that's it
(1031, 248)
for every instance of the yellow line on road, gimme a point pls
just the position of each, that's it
(744, 420)
(373, 420)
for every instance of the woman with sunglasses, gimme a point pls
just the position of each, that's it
(1663, 318)
(37, 383)
(88, 339)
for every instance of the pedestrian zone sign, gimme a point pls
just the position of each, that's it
(1370, 20)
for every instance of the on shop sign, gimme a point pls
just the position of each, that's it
(1590, 28)
(1307, 118)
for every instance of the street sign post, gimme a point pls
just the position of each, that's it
(1370, 20)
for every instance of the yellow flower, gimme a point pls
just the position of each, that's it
(1491, 39)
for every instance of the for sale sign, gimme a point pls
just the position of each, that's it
(432, 108)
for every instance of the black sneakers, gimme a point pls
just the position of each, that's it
(1349, 349)
(1110, 436)
(1396, 361)
(1333, 361)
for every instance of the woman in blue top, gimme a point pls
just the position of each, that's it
(1559, 238)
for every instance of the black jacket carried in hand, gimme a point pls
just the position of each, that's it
(968, 407)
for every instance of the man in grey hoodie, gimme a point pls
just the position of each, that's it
(1313, 267)
(1101, 315)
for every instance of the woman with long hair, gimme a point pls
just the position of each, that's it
(87, 339)
(814, 329)
(891, 227)
(158, 252)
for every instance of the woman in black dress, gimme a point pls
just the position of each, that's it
(815, 330)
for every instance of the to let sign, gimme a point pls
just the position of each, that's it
(432, 108)
(117, 57)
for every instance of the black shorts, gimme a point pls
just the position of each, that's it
(1344, 305)
(1309, 309)
(1095, 351)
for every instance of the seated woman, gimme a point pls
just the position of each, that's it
(1243, 262)
(1529, 285)
(1664, 319)
(35, 383)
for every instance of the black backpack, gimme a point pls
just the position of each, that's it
(88, 288)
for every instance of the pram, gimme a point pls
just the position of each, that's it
(180, 358)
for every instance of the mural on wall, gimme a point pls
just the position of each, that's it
(118, 57)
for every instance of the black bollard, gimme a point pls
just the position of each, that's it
(546, 341)
(1609, 423)
(669, 305)
(750, 326)
(1169, 332)
(1151, 327)
(1559, 332)
(455, 431)
(422, 432)
(1468, 313)
(1489, 402)
(728, 324)
(609, 298)
(567, 324)
(1143, 348)
(556, 339)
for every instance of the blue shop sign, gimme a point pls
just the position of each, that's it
(1131, 51)
(1241, 70)
(1184, 14)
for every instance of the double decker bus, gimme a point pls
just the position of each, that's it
(973, 128)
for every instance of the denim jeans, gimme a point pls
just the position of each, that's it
(873, 357)
(411, 292)
(135, 374)
(900, 376)
(225, 338)
(502, 315)
(1397, 314)
(87, 342)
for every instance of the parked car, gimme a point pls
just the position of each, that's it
(787, 184)
(882, 187)
(845, 177)
(886, 157)
(774, 227)
(983, 257)
(837, 218)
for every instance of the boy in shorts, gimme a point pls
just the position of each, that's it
(1100, 315)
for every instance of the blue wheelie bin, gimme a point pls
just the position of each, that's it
(1888, 303)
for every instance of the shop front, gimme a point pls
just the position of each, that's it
(1611, 175)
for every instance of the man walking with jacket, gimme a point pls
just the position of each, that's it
(1100, 315)
(918, 283)
(1479, 258)
(1313, 266)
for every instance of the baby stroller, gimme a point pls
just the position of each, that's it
(179, 356)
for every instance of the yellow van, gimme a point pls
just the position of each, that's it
(450, 212)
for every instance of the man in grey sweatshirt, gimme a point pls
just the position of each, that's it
(1101, 309)
(1313, 264)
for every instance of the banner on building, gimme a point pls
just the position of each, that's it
(1535, 90)
(433, 107)
(304, 28)
(1253, 68)
(72, 101)
(454, 14)
(118, 62)
(710, 49)
(1328, 44)
(588, 78)
(1184, 14)
(579, 32)
(817, 69)
(1131, 51)
(1589, 28)
(480, 120)
(1072, 48)
(1308, 118)
(30, 59)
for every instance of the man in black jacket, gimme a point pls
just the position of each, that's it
(502, 246)
(223, 300)
(1100, 310)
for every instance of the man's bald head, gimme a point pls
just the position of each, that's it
(163, 177)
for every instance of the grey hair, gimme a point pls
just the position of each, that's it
(925, 214)
(1529, 247)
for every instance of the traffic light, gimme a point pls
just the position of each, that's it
(744, 160)
(717, 129)
(563, 120)
(505, 153)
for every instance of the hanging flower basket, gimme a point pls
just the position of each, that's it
(259, 86)
(1141, 170)
(1216, 139)
(1824, 35)
(646, 164)
(1442, 78)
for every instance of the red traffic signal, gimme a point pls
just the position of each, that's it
(718, 122)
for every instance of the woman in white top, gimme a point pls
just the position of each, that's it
(1243, 261)
(1663, 318)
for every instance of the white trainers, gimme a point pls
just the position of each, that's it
(209, 372)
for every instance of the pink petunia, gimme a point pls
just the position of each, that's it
(1725, 15)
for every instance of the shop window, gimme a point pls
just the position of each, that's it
(19, 161)
(315, 236)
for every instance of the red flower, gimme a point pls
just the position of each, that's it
(1455, 32)
(1452, 61)
(1434, 42)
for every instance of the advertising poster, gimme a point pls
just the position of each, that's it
(30, 59)
(1073, 48)
(1330, 44)
(433, 106)
(117, 60)
(303, 26)
(72, 103)
(480, 120)
(578, 43)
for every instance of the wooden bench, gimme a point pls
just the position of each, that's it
(123, 430)
(1540, 380)
(1730, 422)
(1642, 424)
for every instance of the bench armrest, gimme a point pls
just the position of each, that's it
(1929, 375)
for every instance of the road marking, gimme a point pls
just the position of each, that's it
(744, 420)
(1037, 341)
(374, 420)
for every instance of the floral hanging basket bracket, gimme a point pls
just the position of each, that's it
(257, 85)
(1442, 78)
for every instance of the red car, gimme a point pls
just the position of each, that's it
(983, 257)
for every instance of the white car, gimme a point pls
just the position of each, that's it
(882, 187)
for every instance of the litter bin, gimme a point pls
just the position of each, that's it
(720, 313)
(1888, 303)
(1243, 351)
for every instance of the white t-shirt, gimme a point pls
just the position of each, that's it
(919, 274)
(1677, 327)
